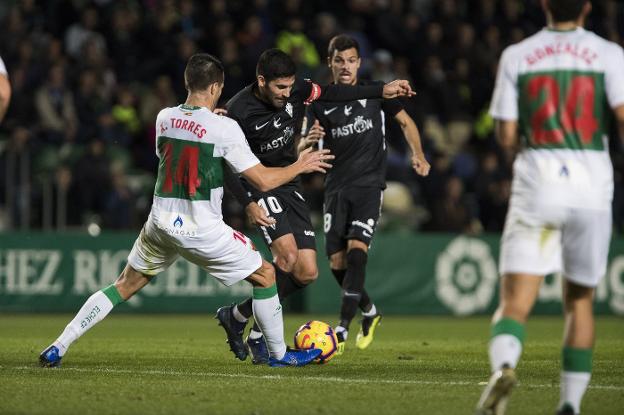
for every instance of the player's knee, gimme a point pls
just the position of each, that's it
(286, 261)
(338, 260)
(267, 273)
(130, 282)
(307, 275)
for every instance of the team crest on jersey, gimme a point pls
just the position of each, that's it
(362, 102)
(163, 127)
(289, 109)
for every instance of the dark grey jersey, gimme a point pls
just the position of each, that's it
(271, 131)
(355, 134)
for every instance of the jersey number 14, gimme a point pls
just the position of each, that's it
(187, 169)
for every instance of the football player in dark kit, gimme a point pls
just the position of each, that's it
(354, 132)
(270, 112)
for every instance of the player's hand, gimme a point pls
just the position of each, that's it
(314, 135)
(398, 88)
(311, 161)
(420, 164)
(258, 216)
(220, 111)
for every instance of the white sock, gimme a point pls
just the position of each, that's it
(345, 332)
(238, 316)
(93, 311)
(504, 349)
(267, 311)
(573, 386)
(370, 312)
(254, 334)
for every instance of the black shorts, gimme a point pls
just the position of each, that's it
(350, 213)
(291, 213)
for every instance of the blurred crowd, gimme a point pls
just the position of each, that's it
(89, 77)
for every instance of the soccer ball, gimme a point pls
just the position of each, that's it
(317, 335)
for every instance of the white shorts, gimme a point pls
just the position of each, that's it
(227, 255)
(552, 239)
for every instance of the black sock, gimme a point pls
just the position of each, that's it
(286, 285)
(245, 308)
(352, 285)
(365, 303)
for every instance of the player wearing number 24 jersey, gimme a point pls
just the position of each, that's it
(555, 90)
(193, 144)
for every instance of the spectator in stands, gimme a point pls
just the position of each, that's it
(55, 107)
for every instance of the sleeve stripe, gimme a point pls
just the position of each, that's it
(315, 93)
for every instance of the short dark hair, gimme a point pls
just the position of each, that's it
(274, 64)
(202, 70)
(342, 42)
(565, 10)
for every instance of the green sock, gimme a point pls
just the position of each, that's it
(506, 343)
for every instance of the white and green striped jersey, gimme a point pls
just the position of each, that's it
(560, 87)
(192, 143)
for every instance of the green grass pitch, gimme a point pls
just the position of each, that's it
(180, 364)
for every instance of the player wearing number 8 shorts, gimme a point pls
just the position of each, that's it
(355, 134)
(193, 144)
(555, 89)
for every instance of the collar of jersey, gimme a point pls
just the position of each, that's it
(550, 29)
(189, 107)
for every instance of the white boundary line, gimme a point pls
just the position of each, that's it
(293, 378)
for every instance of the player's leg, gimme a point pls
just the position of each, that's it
(229, 256)
(530, 249)
(268, 314)
(578, 343)
(360, 210)
(101, 303)
(338, 267)
(285, 254)
(586, 238)
(293, 246)
(518, 293)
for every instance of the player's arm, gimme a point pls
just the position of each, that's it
(342, 93)
(266, 178)
(412, 136)
(311, 131)
(506, 132)
(619, 117)
(5, 95)
(256, 215)
(504, 105)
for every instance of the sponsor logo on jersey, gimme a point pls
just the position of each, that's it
(178, 222)
(329, 111)
(260, 126)
(308, 233)
(347, 110)
(289, 109)
(279, 141)
(358, 126)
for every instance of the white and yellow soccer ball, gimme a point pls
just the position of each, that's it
(317, 335)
